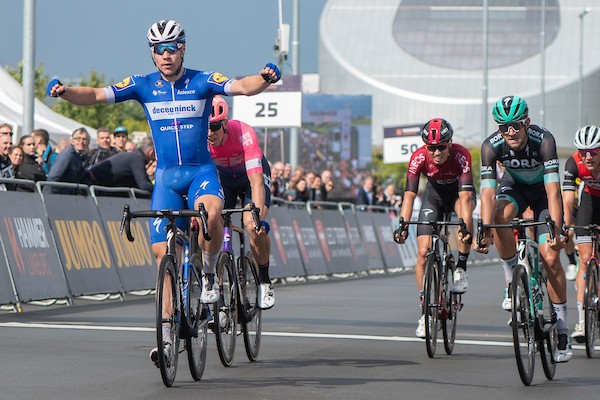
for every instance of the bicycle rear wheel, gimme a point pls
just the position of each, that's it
(251, 315)
(432, 302)
(225, 310)
(590, 307)
(523, 327)
(548, 336)
(196, 316)
(450, 316)
(167, 320)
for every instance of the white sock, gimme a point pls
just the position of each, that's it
(580, 311)
(508, 265)
(209, 262)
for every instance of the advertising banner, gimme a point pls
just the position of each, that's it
(135, 262)
(7, 295)
(308, 242)
(30, 248)
(339, 251)
(370, 241)
(82, 244)
(389, 248)
(285, 256)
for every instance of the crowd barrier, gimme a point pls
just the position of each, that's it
(62, 246)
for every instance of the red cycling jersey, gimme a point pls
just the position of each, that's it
(455, 174)
(240, 154)
(575, 168)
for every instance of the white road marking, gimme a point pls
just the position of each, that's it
(273, 334)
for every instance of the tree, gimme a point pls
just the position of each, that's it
(41, 79)
(129, 114)
(107, 115)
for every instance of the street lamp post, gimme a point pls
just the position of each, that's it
(585, 12)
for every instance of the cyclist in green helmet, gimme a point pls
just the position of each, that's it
(528, 155)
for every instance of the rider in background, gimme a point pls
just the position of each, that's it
(448, 169)
(583, 165)
(528, 153)
(245, 174)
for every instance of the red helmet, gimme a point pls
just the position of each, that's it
(436, 131)
(219, 109)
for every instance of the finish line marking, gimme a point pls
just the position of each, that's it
(490, 343)
(272, 334)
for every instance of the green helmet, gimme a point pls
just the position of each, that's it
(510, 109)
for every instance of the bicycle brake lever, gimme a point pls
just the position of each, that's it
(126, 223)
(204, 219)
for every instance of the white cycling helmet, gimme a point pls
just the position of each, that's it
(165, 30)
(587, 138)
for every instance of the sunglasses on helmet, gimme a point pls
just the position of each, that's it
(171, 47)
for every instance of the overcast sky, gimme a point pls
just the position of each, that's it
(234, 37)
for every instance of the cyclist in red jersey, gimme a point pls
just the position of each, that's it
(245, 174)
(448, 169)
(585, 165)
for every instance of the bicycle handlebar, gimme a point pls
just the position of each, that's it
(403, 225)
(517, 224)
(170, 214)
(252, 208)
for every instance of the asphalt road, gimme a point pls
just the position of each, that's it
(338, 339)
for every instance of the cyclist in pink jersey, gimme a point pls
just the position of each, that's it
(447, 167)
(244, 174)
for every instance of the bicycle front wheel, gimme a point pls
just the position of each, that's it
(590, 307)
(167, 320)
(251, 314)
(225, 310)
(548, 337)
(523, 325)
(196, 314)
(432, 302)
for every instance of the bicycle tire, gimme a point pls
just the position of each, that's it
(523, 325)
(226, 334)
(590, 307)
(167, 282)
(252, 314)
(196, 317)
(431, 303)
(451, 303)
(548, 337)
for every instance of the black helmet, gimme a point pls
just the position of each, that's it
(436, 131)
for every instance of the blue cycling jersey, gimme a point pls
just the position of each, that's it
(177, 112)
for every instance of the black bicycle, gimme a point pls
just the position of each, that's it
(179, 311)
(591, 297)
(440, 303)
(238, 279)
(533, 318)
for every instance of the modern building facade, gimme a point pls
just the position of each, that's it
(421, 59)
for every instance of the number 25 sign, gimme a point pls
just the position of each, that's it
(269, 109)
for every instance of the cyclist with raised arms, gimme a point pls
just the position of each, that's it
(528, 154)
(585, 165)
(178, 102)
(447, 167)
(245, 174)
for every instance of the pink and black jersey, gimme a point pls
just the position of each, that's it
(455, 174)
(240, 154)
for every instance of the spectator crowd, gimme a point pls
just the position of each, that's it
(114, 161)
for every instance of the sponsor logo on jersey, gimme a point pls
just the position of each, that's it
(180, 127)
(159, 92)
(125, 83)
(159, 84)
(175, 109)
(521, 164)
(496, 138)
(416, 162)
(551, 163)
(217, 78)
(184, 92)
